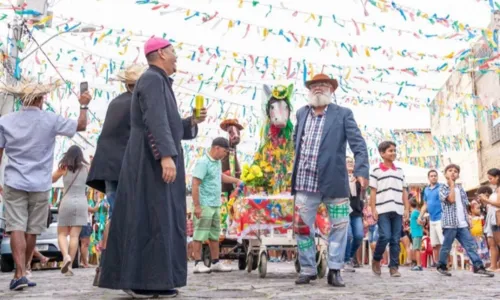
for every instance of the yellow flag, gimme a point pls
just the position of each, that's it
(348, 74)
(302, 41)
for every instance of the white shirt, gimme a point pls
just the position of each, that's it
(462, 221)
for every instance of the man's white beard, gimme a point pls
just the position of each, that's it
(316, 100)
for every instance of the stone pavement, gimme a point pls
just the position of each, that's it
(279, 284)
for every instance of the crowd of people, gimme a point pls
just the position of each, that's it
(139, 165)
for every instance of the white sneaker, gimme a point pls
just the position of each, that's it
(218, 267)
(201, 268)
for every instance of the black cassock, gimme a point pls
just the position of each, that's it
(112, 143)
(146, 247)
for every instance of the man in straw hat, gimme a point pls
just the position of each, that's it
(320, 175)
(146, 250)
(107, 162)
(28, 139)
(230, 163)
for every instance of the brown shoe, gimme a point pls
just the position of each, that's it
(97, 276)
(394, 272)
(376, 268)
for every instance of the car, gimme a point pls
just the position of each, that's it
(46, 243)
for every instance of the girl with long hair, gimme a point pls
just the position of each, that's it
(491, 229)
(73, 206)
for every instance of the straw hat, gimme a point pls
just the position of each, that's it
(131, 74)
(29, 90)
(230, 122)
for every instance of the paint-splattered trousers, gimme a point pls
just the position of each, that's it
(306, 207)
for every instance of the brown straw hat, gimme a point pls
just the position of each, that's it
(230, 122)
(322, 78)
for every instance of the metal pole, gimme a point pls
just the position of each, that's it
(6, 100)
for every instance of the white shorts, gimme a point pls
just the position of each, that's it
(436, 233)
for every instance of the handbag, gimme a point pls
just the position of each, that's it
(67, 190)
(497, 216)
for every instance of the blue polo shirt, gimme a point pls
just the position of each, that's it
(431, 197)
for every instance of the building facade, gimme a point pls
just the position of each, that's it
(467, 110)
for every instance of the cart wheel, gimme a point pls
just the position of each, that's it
(321, 264)
(297, 265)
(249, 263)
(242, 263)
(206, 256)
(263, 265)
(255, 262)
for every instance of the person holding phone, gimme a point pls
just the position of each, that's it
(106, 165)
(28, 139)
(146, 253)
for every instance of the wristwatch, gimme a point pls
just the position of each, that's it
(84, 107)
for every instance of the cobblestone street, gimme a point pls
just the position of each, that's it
(279, 284)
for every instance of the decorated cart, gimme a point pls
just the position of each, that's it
(261, 215)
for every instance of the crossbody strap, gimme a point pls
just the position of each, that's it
(70, 185)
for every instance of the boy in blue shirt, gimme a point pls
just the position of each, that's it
(417, 232)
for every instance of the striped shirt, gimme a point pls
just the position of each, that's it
(389, 183)
(307, 172)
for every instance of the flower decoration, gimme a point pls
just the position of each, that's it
(280, 92)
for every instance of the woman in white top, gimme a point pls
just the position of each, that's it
(73, 207)
(491, 229)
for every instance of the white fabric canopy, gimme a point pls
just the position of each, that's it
(416, 175)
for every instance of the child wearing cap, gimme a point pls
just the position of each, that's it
(206, 191)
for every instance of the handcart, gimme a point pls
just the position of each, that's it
(266, 222)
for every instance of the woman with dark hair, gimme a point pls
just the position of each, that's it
(73, 206)
(491, 226)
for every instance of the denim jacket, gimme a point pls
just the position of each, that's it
(449, 217)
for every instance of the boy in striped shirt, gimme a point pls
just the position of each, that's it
(389, 202)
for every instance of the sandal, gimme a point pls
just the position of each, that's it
(66, 264)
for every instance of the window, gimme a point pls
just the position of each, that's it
(494, 124)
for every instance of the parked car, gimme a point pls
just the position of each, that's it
(46, 243)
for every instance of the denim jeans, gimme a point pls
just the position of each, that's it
(389, 232)
(355, 236)
(306, 207)
(111, 187)
(465, 239)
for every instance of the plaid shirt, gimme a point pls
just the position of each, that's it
(449, 217)
(307, 172)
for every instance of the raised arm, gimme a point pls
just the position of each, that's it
(447, 193)
(152, 102)
(358, 146)
(58, 174)
(190, 128)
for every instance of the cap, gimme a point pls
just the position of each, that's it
(155, 44)
(221, 142)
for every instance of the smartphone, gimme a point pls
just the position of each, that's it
(84, 87)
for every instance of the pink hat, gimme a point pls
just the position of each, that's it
(155, 44)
